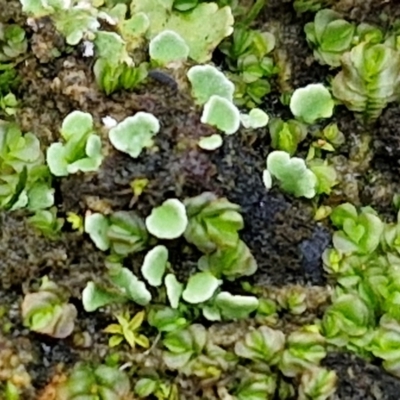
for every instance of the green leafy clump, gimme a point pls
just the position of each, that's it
(123, 232)
(168, 47)
(184, 345)
(385, 345)
(135, 133)
(114, 69)
(263, 344)
(369, 79)
(348, 322)
(229, 262)
(24, 179)
(81, 150)
(304, 350)
(13, 42)
(317, 383)
(330, 36)
(70, 19)
(311, 103)
(47, 223)
(255, 385)
(287, 135)
(327, 140)
(84, 380)
(48, 312)
(249, 58)
(190, 351)
(202, 27)
(212, 222)
(8, 103)
(359, 232)
(292, 173)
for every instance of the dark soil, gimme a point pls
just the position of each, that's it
(280, 231)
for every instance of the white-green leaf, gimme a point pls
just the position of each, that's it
(222, 114)
(174, 290)
(167, 221)
(135, 133)
(96, 226)
(200, 288)
(155, 264)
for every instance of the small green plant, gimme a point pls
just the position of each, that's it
(212, 222)
(114, 69)
(13, 42)
(311, 103)
(47, 223)
(359, 232)
(24, 180)
(72, 20)
(292, 173)
(293, 299)
(304, 350)
(152, 384)
(317, 384)
(9, 103)
(348, 322)
(166, 319)
(126, 329)
(287, 135)
(330, 36)
(248, 56)
(369, 79)
(229, 262)
(135, 133)
(202, 27)
(327, 140)
(385, 345)
(123, 232)
(106, 382)
(48, 312)
(207, 81)
(183, 345)
(82, 148)
(262, 344)
(189, 351)
(255, 385)
(168, 221)
(168, 47)
(222, 114)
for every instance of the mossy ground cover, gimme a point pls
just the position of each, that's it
(280, 230)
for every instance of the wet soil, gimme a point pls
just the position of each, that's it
(279, 230)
